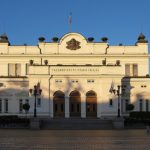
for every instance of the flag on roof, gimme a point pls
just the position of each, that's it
(70, 18)
(111, 87)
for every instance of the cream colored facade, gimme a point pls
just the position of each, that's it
(74, 64)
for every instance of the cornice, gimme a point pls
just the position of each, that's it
(76, 55)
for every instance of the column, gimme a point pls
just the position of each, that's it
(51, 107)
(83, 106)
(67, 112)
(99, 106)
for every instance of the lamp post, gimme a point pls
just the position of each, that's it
(118, 94)
(35, 91)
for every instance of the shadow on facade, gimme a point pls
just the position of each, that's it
(136, 94)
(69, 101)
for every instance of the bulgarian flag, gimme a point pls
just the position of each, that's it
(70, 18)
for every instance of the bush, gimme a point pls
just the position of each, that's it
(90, 39)
(41, 39)
(6, 120)
(130, 107)
(26, 107)
(55, 39)
(140, 115)
(104, 39)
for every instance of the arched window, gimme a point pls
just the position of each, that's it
(75, 104)
(59, 104)
(91, 104)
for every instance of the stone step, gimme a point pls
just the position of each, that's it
(76, 124)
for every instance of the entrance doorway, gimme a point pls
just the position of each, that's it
(59, 104)
(91, 104)
(75, 104)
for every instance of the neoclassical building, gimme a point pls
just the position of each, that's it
(78, 77)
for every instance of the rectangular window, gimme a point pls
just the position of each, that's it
(6, 106)
(39, 102)
(94, 107)
(55, 107)
(11, 69)
(127, 69)
(14, 69)
(27, 69)
(78, 108)
(20, 106)
(110, 102)
(74, 81)
(141, 104)
(0, 105)
(135, 70)
(88, 107)
(62, 107)
(72, 108)
(90, 81)
(58, 81)
(27, 101)
(147, 105)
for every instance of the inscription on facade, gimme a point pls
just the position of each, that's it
(76, 69)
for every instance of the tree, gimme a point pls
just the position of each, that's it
(90, 39)
(55, 39)
(26, 107)
(104, 39)
(41, 39)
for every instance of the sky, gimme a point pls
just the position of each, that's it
(24, 21)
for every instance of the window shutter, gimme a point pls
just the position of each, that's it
(127, 69)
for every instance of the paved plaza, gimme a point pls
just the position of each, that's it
(74, 140)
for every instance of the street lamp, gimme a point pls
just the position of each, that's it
(36, 91)
(118, 94)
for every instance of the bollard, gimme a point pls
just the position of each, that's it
(147, 129)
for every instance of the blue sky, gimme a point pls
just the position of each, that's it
(119, 20)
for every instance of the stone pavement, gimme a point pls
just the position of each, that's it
(74, 140)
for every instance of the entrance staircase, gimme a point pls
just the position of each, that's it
(76, 124)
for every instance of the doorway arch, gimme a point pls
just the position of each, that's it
(91, 104)
(59, 104)
(75, 104)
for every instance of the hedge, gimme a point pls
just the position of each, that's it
(140, 115)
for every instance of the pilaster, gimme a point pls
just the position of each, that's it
(67, 112)
(83, 106)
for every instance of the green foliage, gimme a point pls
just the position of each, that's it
(55, 39)
(26, 107)
(104, 39)
(12, 119)
(130, 107)
(140, 115)
(41, 39)
(90, 39)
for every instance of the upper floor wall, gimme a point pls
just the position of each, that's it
(74, 43)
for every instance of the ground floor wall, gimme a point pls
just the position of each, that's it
(73, 96)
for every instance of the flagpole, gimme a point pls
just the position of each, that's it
(70, 22)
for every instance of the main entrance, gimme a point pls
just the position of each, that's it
(91, 104)
(75, 104)
(59, 104)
